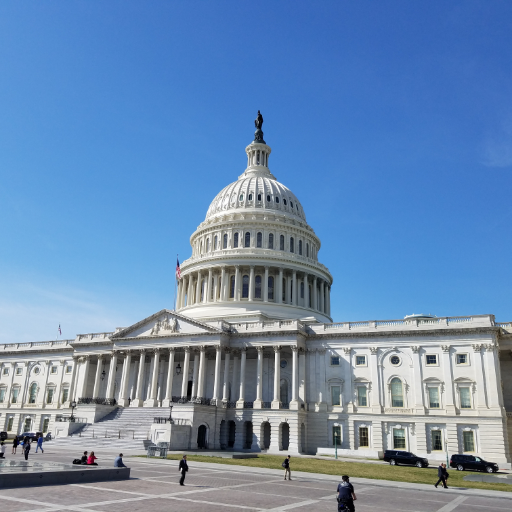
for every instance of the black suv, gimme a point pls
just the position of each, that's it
(463, 462)
(395, 457)
(3, 436)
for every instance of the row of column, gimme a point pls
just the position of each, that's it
(214, 286)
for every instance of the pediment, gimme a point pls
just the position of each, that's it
(165, 323)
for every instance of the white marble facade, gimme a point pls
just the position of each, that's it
(251, 353)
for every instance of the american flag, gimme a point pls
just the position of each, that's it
(178, 271)
(60, 332)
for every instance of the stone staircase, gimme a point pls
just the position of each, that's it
(122, 428)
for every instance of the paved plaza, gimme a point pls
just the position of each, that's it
(213, 487)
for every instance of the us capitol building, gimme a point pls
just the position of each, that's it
(251, 359)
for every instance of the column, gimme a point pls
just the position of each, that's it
(225, 388)
(152, 401)
(251, 283)
(328, 298)
(448, 380)
(74, 378)
(216, 287)
(170, 377)
(294, 288)
(265, 286)
(288, 296)
(321, 404)
(492, 370)
(294, 404)
(216, 381)
(202, 372)
(375, 391)
(84, 383)
(322, 298)
(312, 391)
(111, 376)
(315, 294)
(209, 287)
(125, 380)
(195, 374)
(97, 380)
(139, 398)
(258, 403)
(347, 392)
(189, 292)
(237, 284)
(302, 375)
(178, 294)
(280, 287)
(306, 291)
(241, 397)
(198, 288)
(223, 285)
(276, 403)
(418, 405)
(235, 385)
(184, 380)
(481, 402)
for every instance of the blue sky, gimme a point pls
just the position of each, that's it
(120, 121)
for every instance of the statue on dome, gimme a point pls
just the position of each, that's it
(258, 122)
(258, 134)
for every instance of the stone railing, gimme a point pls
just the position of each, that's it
(37, 345)
(397, 410)
(294, 325)
(94, 336)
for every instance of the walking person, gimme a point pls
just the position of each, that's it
(26, 447)
(441, 473)
(346, 495)
(40, 444)
(15, 443)
(183, 467)
(286, 466)
(2, 450)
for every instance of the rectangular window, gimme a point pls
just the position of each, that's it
(65, 394)
(69, 368)
(362, 397)
(2, 394)
(15, 393)
(46, 423)
(398, 438)
(431, 360)
(364, 440)
(10, 421)
(433, 398)
(462, 359)
(53, 370)
(437, 440)
(49, 396)
(465, 398)
(360, 360)
(336, 435)
(335, 395)
(468, 440)
(335, 361)
(19, 371)
(6, 371)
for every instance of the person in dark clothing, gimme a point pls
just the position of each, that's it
(15, 443)
(118, 461)
(346, 495)
(442, 475)
(26, 447)
(183, 468)
(83, 460)
(287, 470)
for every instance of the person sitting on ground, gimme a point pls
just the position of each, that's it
(91, 459)
(346, 494)
(2, 450)
(118, 461)
(83, 460)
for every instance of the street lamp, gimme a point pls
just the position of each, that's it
(170, 414)
(336, 441)
(73, 405)
(103, 373)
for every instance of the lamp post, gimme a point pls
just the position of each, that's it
(73, 405)
(336, 442)
(170, 414)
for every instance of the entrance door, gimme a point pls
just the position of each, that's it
(201, 437)
(231, 434)
(285, 436)
(189, 390)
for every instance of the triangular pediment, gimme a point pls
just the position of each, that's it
(164, 323)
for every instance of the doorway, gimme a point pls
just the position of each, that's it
(265, 435)
(201, 437)
(285, 436)
(248, 435)
(231, 434)
(189, 390)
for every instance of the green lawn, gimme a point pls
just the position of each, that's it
(353, 469)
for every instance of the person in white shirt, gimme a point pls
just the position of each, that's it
(2, 450)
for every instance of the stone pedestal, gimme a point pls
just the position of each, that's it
(177, 435)
(276, 404)
(137, 402)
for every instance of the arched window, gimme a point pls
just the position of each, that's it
(302, 289)
(241, 197)
(271, 241)
(247, 239)
(277, 199)
(207, 245)
(32, 393)
(245, 287)
(225, 241)
(292, 244)
(268, 198)
(232, 287)
(235, 240)
(259, 240)
(300, 247)
(307, 250)
(257, 288)
(215, 240)
(284, 201)
(291, 204)
(250, 197)
(270, 288)
(397, 393)
(281, 243)
(259, 197)
(284, 289)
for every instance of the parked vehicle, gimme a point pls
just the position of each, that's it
(32, 435)
(471, 462)
(3, 436)
(395, 457)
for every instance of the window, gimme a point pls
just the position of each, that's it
(300, 247)
(433, 398)
(19, 371)
(212, 289)
(270, 288)
(69, 368)
(360, 360)
(15, 393)
(28, 424)
(462, 359)
(362, 396)
(37, 370)
(291, 204)
(284, 201)
(245, 287)
(65, 395)
(207, 245)
(268, 198)
(336, 395)
(259, 240)
(247, 239)
(397, 396)
(302, 289)
(250, 197)
(437, 440)
(225, 241)
(257, 288)
(215, 240)
(309, 295)
(307, 250)
(259, 197)
(292, 244)
(232, 288)
(335, 361)
(336, 435)
(284, 290)
(46, 423)
(277, 199)
(395, 360)
(6, 371)
(241, 197)
(53, 369)
(3, 391)
(431, 359)
(364, 438)
(468, 440)
(235, 240)
(201, 247)
(281, 243)
(398, 438)
(284, 363)
(271, 241)
(32, 393)
(49, 395)
(10, 421)
(465, 398)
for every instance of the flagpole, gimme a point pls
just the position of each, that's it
(175, 283)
